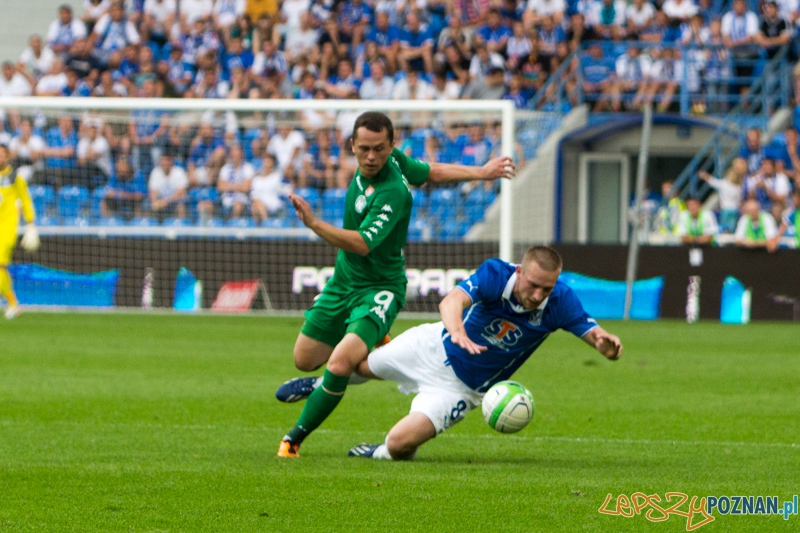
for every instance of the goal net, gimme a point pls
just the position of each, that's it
(182, 203)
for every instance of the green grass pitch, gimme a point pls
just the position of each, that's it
(169, 423)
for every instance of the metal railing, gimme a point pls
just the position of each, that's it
(765, 95)
(697, 90)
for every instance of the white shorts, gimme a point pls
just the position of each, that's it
(416, 361)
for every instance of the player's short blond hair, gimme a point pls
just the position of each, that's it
(544, 256)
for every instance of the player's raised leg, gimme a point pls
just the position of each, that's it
(324, 399)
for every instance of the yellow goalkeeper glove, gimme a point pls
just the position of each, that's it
(30, 239)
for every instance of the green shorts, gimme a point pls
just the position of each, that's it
(369, 313)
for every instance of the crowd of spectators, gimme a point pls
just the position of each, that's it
(757, 197)
(320, 49)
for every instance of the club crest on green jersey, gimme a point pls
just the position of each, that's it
(361, 203)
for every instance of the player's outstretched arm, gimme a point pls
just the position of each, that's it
(607, 344)
(452, 309)
(498, 167)
(347, 240)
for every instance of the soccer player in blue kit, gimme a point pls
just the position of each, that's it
(491, 324)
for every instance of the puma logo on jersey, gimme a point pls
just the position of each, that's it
(502, 333)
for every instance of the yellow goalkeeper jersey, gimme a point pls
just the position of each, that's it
(12, 189)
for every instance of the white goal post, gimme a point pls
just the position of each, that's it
(502, 111)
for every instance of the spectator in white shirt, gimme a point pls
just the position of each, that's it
(739, 31)
(94, 155)
(35, 60)
(640, 15)
(444, 89)
(167, 188)
(268, 190)
(52, 83)
(697, 225)
(234, 182)
(93, 10)
(225, 14)
(755, 228)
(412, 87)
(26, 151)
(378, 86)
(159, 18)
(287, 145)
(535, 10)
(632, 68)
(192, 10)
(730, 192)
(64, 30)
(769, 188)
(679, 11)
(13, 83)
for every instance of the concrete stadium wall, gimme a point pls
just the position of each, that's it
(22, 18)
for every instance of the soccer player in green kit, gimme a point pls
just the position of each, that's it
(358, 305)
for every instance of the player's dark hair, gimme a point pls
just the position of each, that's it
(375, 122)
(544, 256)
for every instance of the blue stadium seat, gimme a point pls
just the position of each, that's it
(242, 222)
(44, 199)
(277, 223)
(311, 196)
(452, 230)
(175, 223)
(333, 204)
(200, 195)
(420, 199)
(111, 222)
(144, 222)
(213, 222)
(72, 201)
(78, 222)
(419, 230)
(444, 203)
(46, 220)
(476, 204)
(97, 197)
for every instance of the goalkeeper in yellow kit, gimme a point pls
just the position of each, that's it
(13, 190)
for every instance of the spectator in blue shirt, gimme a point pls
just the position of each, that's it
(343, 84)
(320, 162)
(147, 130)
(206, 157)
(416, 45)
(387, 37)
(550, 36)
(60, 160)
(236, 56)
(354, 19)
(752, 151)
(495, 34)
(515, 93)
(125, 192)
(598, 75)
(75, 86)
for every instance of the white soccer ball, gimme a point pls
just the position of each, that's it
(507, 407)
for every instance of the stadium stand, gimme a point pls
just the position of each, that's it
(687, 57)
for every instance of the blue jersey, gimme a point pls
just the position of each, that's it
(509, 331)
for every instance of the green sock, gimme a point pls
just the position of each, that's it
(319, 405)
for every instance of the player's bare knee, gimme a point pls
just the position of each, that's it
(303, 364)
(401, 447)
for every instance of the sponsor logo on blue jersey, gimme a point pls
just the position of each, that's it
(502, 333)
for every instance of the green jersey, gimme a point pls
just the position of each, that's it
(379, 208)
